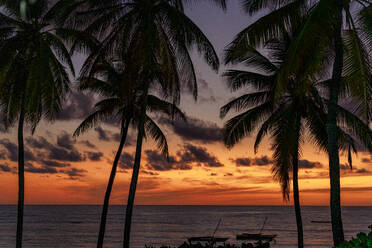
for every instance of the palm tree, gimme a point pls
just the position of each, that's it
(155, 38)
(321, 39)
(300, 107)
(121, 102)
(34, 80)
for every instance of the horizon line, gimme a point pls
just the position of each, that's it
(186, 205)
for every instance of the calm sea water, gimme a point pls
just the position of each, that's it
(77, 226)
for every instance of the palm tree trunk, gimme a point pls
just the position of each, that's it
(136, 168)
(21, 178)
(332, 129)
(102, 227)
(296, 199)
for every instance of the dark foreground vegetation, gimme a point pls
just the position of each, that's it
(362, 240)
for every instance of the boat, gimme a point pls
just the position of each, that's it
(256, 236)
(207, 239)
(321, 221)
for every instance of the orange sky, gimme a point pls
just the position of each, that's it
(67, 171)
(227, 184)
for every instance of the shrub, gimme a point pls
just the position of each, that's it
(362, 240)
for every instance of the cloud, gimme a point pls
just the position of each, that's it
(366, 160)
(40, 170)
(156, 161)
(87, 143)
(195, 130)
(242, 161)
(12, 151)
(52, 163)
(39, 143)
(94, 156)
(362, 171)
(65, 141)
(259, 161)
(78, 106)
(306, 164)
(198, 154)
(106, 135)
(102, 134)
(62, 154)
(5, 168)
(74, 173)
(64, 150)
(345, 167)
(126, 161)
(150, 173)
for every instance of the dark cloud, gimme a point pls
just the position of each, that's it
(198, 154)
(345, 167)
(52, 163)
(5, 168)
(87, 143)
(94, 156)
(102, 134)
(306, 164)
(362, 171)
(126, 161)
(150, 173)
(260, 161)
(366, 160)
(156, 161)
(12, 151)
(62, 154)
(78, 106)
(40, 170)
(196, 130)
(64, 140)
(74, 173)
(64, 150)
(228, 175)
(106, 135)
(39, 143)
(242, 161)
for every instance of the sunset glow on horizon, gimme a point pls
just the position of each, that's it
(201, 170)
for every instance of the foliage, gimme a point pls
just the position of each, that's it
(362, 240)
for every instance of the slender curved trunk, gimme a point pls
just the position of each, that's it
(124, 130)
(296, 199)
(332, 129)
(21, 177)
(136, 168)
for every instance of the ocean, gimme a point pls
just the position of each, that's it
(77, 226)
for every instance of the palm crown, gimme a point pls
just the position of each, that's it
(33, 65)
(301, 107)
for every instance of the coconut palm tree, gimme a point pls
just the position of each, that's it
(155, 38)
(121, 103)
(34, 80)
(301, 107)
(322, 38)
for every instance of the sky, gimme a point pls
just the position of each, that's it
(201, 171)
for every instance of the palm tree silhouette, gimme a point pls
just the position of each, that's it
(322, 39)
(154, 37)
(34, 79)
(300, 107)
(123, 104)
